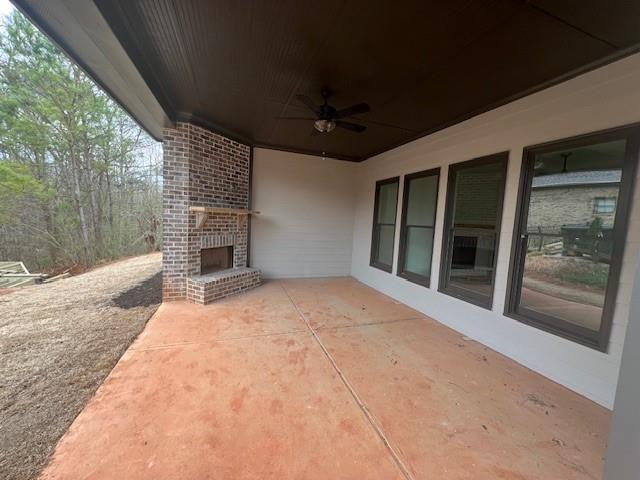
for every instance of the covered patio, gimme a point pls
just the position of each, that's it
(324, 378)
(400, 239)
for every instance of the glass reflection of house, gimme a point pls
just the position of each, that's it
(576, 207)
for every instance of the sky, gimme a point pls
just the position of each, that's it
(5, 8)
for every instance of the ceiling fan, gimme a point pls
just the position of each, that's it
(328, 117)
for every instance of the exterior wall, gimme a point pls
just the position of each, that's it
(604, 98)
(305, 224)
(622, 461)
(201, 168)
(577, 203)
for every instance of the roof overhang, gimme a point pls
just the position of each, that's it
(235, 67)
(80, 30)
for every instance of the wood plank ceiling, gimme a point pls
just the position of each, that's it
(236, 66)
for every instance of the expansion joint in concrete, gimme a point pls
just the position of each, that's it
(368, 415)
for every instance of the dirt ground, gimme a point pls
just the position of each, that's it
(57, 344)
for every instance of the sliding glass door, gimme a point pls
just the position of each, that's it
(570, 234)
(472, 228)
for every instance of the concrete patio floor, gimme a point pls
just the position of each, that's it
(324, 379)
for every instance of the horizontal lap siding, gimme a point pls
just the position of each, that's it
(306, 215)
(604, 98)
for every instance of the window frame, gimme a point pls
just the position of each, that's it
(469, 296)
(424, 280)
(375, 235)
(598, 340)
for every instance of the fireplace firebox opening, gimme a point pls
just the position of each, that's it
(214, 259)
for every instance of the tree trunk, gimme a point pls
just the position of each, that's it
(96, 220)
(51, 229)
(109, 200)
(77, 198)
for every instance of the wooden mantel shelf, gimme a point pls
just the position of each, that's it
(202, 213)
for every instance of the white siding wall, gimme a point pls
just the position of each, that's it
(607, 97)
(305, 227)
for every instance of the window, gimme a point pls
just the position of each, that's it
(418, 219)
(570, 234)
(384, 224)
(472, 228)
(604, 206)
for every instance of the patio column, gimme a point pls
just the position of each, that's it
(623, 460)
(175, 212)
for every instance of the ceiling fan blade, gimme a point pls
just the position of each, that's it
(309, 103)
(353, 110)
(354, 127)
(296, 118)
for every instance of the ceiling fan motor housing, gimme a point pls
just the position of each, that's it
(323, 125)
(328, 117)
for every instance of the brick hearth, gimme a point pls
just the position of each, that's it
(204, 289)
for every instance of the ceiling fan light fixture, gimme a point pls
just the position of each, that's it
(324, 126)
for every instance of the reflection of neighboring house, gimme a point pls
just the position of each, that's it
(565, 204)
(573, 198)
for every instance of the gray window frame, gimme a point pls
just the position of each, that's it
(375, 231)
(469, 296)
(424, 280)
(596, 340)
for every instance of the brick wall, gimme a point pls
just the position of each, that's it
(201, 168)
(175, 216)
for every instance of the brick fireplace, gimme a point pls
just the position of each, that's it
(206, 171)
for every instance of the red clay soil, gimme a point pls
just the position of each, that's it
(324, 379)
